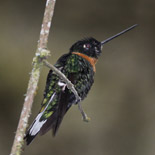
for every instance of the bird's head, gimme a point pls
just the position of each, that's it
(93, 48)
(88, 46)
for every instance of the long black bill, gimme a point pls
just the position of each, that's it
(118, 34)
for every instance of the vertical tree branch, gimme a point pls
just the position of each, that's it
(45, 28)
(41, 54)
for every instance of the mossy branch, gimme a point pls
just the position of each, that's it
(41, 54)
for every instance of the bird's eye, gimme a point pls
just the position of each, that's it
(86, 46)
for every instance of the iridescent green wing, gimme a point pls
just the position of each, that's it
(51, 88)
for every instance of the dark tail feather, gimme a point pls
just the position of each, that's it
(55, 120)
(49, 124)
(34, 129)
(42, 129)
(57, 124)
(52, 123)
(63, 108)
(37, 124)
(29, 138)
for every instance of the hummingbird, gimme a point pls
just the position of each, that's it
(78, 65)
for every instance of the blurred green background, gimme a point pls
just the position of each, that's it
(121, 103)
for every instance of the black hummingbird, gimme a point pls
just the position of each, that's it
(79, 67)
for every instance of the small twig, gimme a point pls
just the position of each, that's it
(85, 118)
(69, 86)
(64, 78)
(41, 54)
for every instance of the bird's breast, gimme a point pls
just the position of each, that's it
(91, 60)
